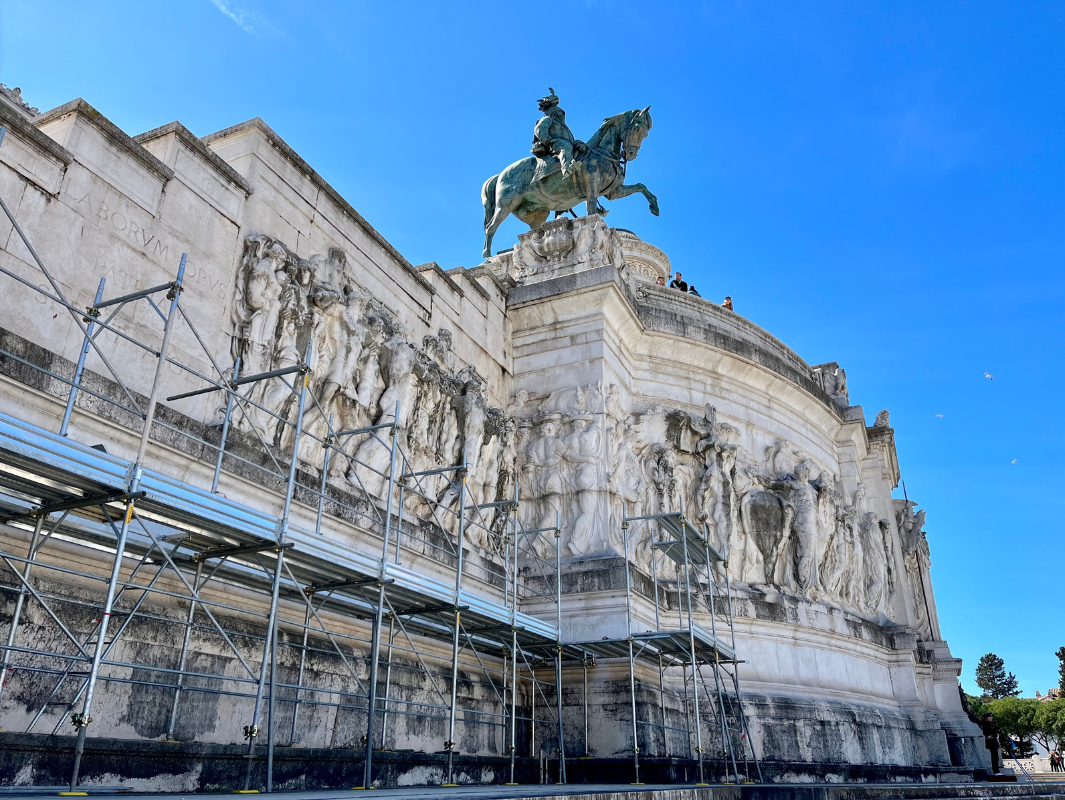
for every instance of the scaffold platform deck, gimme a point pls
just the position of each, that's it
(39, 468)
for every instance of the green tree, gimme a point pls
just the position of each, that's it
(1061, 667)
(991, 676)
(977, 704)
(1017, 718)
(1050, 724)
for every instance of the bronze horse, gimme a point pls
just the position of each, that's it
(518, 189)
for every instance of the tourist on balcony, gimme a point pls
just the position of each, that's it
(661, 281)
(728, 304)
(678, 283)
(691, 290)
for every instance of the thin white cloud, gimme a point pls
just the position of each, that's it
(239, 16)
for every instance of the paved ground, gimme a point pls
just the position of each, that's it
(630, 792)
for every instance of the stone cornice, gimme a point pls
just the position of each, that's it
(703, 320)
(294, 158)
(663, 310)
(476, 286)
(483, 270)
(213, 160)
(17, 121)
(110, 131)
(436, 269)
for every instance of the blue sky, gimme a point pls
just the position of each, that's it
(878, 184)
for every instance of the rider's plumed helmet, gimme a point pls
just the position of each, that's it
(549, 102)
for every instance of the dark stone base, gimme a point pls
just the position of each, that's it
(196, 767)
(715, 771)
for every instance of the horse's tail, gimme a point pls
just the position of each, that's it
(488, 198)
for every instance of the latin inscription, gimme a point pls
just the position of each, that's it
(151, 245)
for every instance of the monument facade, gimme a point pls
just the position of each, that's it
(557, 374)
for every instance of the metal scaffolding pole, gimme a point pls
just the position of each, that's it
(225, 429)
(513, 703)
(632, 655)
(182, 659)
(300, 673)
(726, 740)
(691, 639)
(93, 313)
(584, 666)
(736, 680)
(450, 743)
(81, 721)
(558, 650)
(268, 665)
(375, 638)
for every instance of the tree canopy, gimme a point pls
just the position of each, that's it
(991, 676)
(1060, 653)
(1025, 720)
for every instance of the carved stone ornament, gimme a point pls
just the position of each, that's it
(833, 379)
(564, 246)
(364, 367)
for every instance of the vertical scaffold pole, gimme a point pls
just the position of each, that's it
(736, 676)
(532, 713)
(302, 670)
(584, 666)
(726, 738)
(632, 655)
(691, 640)
(375, 635)
(513, 702)
(80, 368)
(450, 743)
(82, 720)
(270, 645)
(661, 675)
(327, 446)
(20, 601)
(558, 651)
(183, 658)
(514, 641)
(225, 429)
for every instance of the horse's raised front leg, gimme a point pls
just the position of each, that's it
(626, 190)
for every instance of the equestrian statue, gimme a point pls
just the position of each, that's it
(564, 171)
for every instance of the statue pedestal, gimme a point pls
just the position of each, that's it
(561, 247)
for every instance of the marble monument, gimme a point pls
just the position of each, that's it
(558, 368)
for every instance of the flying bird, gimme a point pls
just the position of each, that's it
(989, 376)
(1015, 461)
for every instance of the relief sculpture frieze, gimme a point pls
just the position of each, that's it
(365, 368)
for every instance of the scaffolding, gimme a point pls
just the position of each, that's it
(298, 593)
(688, 646)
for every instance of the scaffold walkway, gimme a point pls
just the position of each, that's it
(696, 562)
(42, 474)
